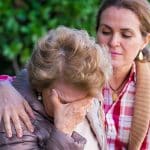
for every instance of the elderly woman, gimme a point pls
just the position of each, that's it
(66, 70)
(124, 27)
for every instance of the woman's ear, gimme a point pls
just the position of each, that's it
(146, 41)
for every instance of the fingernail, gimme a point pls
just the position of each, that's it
(33, 117)
(20, 135)
(9, 135)
(53, 90)
(32, 129)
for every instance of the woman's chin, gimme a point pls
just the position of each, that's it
(116, 64)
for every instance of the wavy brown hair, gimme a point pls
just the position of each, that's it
(71, 55)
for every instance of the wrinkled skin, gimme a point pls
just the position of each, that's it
(14, 107)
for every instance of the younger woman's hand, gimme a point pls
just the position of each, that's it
(14, 109)
(68, 116)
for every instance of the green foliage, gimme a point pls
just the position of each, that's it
(24, 21)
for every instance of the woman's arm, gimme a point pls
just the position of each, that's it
(13, 107)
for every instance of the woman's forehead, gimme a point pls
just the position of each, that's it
(122, 17)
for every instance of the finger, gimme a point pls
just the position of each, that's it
(82, 106)
(7, 125)
(17, 124)
(25, 118)
(55, 99)
(29, 109)
(0, 117)
(84, 103)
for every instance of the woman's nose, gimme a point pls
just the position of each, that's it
(114, 40)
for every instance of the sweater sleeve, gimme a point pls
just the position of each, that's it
(61, 141)
(6, 78)
(28, 141)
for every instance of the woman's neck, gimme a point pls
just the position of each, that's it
(120, 75)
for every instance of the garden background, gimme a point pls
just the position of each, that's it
(22, 22)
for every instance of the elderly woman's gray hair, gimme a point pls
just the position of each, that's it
(70, 54)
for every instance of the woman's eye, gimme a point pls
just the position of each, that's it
(127, 36)
(106, 32)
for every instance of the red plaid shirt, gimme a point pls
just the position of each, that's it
(118, 116)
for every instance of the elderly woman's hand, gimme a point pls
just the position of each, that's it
(14, 108)
(67, 116)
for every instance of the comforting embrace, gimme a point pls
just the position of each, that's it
(77, 95)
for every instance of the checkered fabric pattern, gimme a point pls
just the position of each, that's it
(118, 116)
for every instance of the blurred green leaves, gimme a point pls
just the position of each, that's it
(22, 22)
